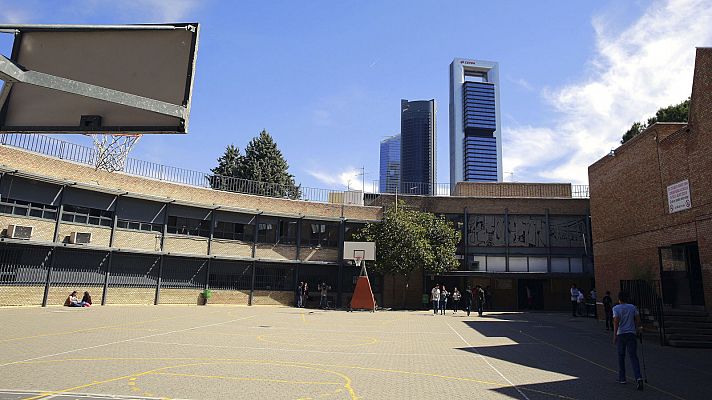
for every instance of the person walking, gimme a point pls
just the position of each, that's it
(592, 299)
(468, 299)
(443, 299)
(456, 296)
(574, 299)
(305, 297)
(435, 298)
(626, 327)
(581, 300)
(324, 291)
(300, 294)
(480, 299)
(608, 310)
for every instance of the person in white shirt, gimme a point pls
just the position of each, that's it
(456, 296)
(581, 300)
(435, 298)
(574, 299)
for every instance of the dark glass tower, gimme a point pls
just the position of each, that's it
(418, 147)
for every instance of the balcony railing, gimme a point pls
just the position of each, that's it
(64, 150)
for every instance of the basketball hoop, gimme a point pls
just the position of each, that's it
(113, 150)
(357, 260)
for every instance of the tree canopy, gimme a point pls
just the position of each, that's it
(407, 240)
(674, 113)
(262, 170)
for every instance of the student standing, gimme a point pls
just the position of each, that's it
(435, 298)
(626, 325)
(480, 298)
(608, 310)
(455, 300)
(574, 299)
(443, 300)
(468, 299)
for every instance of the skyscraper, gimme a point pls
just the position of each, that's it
(389, 174)
(475, 133)
(418, 141)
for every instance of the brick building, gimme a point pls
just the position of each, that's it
(640, 230)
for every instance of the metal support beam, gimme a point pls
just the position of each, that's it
(157, 297)
(11, 72)
(114, 221)
(48, 279)
(506, 239)
(252, 284)
(548, 242)
(254, 252)
(340, 275)
(105, 289)
(207, 274)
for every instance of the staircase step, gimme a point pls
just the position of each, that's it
(692, 331)
(685, 312)
(693, 324)
(693, 337)
(690, 343)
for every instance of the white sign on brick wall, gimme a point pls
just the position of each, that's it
(679, 196)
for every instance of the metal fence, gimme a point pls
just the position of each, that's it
(647, 296)
(64, 150)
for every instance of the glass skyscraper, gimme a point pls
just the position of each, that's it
(418, 147)
(475, 133)
(389, 173)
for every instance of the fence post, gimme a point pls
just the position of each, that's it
(506, 239)
(106, 278)
(252, 284)
(45, 296)
(157, 297)
(340, 275)
(207, 274)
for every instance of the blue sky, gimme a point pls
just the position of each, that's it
(326, 77)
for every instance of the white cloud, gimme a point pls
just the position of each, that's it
(633, 73)
(350, 177)
(162, 10)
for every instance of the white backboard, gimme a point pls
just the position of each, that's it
(365, 249)
(147, 71)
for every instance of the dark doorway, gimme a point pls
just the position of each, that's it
(531, 294)
(681, 275)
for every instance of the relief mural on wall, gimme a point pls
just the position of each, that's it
(567, 231)
(525, 231)
(485, 230)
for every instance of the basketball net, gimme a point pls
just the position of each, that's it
(113, 150)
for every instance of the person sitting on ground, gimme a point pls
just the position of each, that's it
(86, 299)
(73, 301)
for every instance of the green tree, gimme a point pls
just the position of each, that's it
(264, 163)
(674, 113)
(408, 240)
(229, 165)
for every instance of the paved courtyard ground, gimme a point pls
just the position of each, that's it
(219, 352)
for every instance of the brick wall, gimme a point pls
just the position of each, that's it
(99, 235)
(264, 297)
(38, 164)
(239, 297)
(318, 254)
(513, 189)
(185, 244)
(486, 205)
(231, 248)
(23, 295)
(179, 296)
(130, 239)
(629, 206)
(122, 295)
(275, 251)
(42, 229)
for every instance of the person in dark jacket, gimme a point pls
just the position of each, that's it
(608, 310)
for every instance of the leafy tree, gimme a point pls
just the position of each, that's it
(229, 165)
(264, 163)
(674, 113)
(407, 240)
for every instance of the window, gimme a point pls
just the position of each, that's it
(86, 215)
(266, 233)
(233, 231)
(25, 208)
(139, 226)
(188, 226)
(287, 231)
(318, 233)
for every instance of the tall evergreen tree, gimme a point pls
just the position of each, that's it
(229, 167)
(674, 113)
(264, 163)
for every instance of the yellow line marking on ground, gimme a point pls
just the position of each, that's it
(217, 360)
(238, 378)
(304, 319)
(593, 362)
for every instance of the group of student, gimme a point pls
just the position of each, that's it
(578, 301)
(302, 294)
(439, 297)
(73, 300)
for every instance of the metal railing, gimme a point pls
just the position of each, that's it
(647, 296)
(64, 150)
